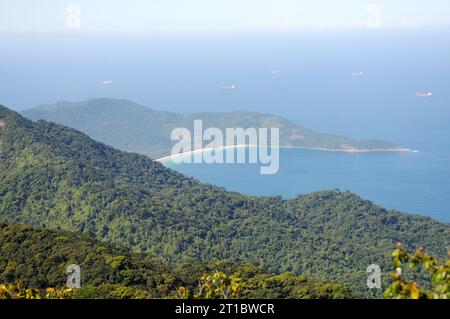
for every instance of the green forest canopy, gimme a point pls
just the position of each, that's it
(38, 258)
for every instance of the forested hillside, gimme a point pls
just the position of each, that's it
(39, 258)
(132, 127)
(57, 178)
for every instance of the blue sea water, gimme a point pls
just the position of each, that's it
(411, 182)
(315, 87)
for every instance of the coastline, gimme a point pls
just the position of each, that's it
(200, 150)
(170, 158)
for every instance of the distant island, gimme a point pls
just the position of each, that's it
(135, 128)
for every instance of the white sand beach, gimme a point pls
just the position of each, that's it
(171, 158)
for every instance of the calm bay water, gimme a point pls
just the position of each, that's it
(315, 88)
(410, 182)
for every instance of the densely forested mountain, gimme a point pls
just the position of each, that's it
(38, 258)
(131, 127)
(55, 177)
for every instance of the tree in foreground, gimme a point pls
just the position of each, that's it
(402, 288)
(16, 291)
(216, 286)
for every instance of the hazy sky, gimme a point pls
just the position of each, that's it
(217, 15)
